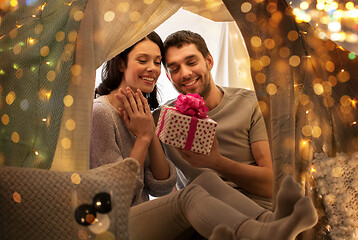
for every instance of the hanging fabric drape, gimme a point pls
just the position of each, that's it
(50, 51)
(107, 28)
(307, 89)
(37, 53)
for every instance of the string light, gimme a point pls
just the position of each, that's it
(30, 41)
(42, 7)
(69, 4)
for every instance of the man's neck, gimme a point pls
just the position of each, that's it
(214, 97)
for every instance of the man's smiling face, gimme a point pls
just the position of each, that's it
(189, 70)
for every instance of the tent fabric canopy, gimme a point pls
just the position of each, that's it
(307, 87)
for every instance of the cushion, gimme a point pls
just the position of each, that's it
(41, 204)
(337, 184)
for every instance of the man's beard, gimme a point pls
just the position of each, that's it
(205, 88)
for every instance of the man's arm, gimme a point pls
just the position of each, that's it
(255, 179)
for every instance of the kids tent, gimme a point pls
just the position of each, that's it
(307, 89)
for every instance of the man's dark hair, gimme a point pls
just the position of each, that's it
(183, 37)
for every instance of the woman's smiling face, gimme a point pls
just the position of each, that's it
(143, 67)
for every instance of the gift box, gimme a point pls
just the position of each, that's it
(186, 125)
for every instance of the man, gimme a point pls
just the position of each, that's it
(241, 153)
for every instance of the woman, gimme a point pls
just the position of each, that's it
(114, 139)
(121, 112)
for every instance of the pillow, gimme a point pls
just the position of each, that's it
(337, 184)
(41, 204)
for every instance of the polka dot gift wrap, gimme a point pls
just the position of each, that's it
(185, 132)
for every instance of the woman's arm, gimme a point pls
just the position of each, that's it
(103, 148)
(157, 162)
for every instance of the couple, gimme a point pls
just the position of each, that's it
(123, 126)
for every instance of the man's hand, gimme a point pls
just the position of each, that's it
(202, 160)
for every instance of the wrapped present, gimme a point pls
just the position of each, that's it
(187, 125)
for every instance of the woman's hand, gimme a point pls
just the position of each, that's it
(136, 114)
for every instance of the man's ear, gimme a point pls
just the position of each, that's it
(210, 61)
(121, 65)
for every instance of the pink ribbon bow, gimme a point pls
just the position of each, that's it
(191, 105)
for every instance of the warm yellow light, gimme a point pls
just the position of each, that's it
(76, 178)
(327, 7)
(10, 98)
(5, 119)
(36, 153)
(13, 3)
(313, 169)
(78, 16)
(134, 16)
(30, 41)
(318, 89)
(66, 143)
(15, 137)
(109, 16)
(44, 94)
(338, 14)
(353, 13)
(246, 7)
(333, 6)
(123, 7)
(316, 131)
(307, 18)
(256, 41)
(320, 6)
(44, 51)
(304, 5)
(68, 100)
(294, 61)
(42, 7)
(271, 89)
(349, 5)
(68, 4)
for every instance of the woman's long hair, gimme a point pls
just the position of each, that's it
(112, 77)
